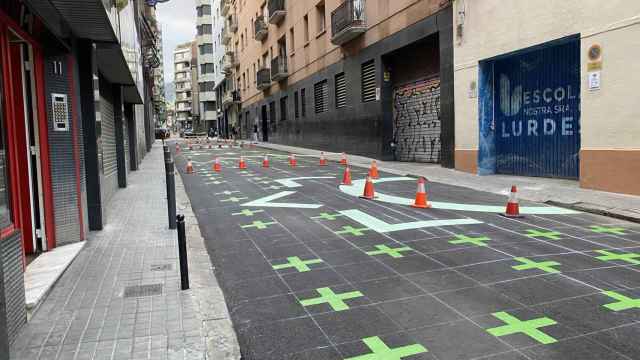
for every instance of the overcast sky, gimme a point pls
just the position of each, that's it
(178, 18)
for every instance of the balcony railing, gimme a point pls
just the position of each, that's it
(348, 21)
(233, 23)
(227, 64)
(277, 11)
(224, 7)
(226, 36)
(263, 79)
(261, 28)
(231, 98)
(279, 68)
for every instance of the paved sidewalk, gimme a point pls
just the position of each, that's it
(558, 192)
(92, 313)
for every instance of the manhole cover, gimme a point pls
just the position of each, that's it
(143, 290)
(161, 267)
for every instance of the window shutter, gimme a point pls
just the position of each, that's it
(369, 81)
(341, 91)
(321, 94)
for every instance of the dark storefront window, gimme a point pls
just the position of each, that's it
(283, 109)
(303, 102)
(5, 210)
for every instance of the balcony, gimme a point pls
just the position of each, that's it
(279, 68)
(231, 98)
(348, 21)
(226, 36)
(233, 23)
(227, 64)
(263, 79)
(262, 31)
(225, 6)
(277, 11)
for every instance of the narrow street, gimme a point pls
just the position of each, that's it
(311, 271)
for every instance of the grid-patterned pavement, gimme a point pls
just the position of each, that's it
(304, 280)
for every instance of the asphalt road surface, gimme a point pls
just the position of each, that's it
(312, 271)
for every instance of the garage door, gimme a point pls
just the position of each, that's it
(537, 111)
(416, 121)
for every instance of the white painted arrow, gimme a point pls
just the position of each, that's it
(380, 226)
(267, 202)
(292, 182)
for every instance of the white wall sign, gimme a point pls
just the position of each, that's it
(594, 80)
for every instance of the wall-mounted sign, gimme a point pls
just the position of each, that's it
(594, 80)
(595, 52)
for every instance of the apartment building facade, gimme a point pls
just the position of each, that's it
(367, 77)
(549, 93)
(206, 29)
(73, 124)
(183, 79)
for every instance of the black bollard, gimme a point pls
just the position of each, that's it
(171, 189)
(182, 253)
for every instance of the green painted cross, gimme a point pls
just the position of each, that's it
(350, 230)
(529, 328)
(462, 239)
(228, 192)
(628, 257)
(298, 264)
(546, 266)
(247, 212)
(327, 216)
(552, 235)
(608, 230)
(380, 350)
(384, 249)
(336, 301)
(624, 302)
(258, 225)
(234, 199)
(216, 182)
(274, 187)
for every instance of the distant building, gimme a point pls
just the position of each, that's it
(206, 69)
(182, 59)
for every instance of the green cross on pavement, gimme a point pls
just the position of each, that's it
(274, 187)
(384, 249)
(608, 230)
(529, 328)
(299, 264)
(247, 212)
(552, 235)
(624, 302)
(327, 216)
(228, 192)
(258, 225)
(266, 182)
(336, 301)
(628, 257)
(546, 266)
(382, 352)
(216, 182)
(352, 231)
(462, 239)
(234, 199)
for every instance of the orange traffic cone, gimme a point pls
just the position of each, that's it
(421, 195)
(368, 194)
(346, 178)
(373, 171)
(241, 163)
(292, 160)
(189, 168)
(216, 165)
(323, 160)
(513, 207)
(343, 160)
(265, 162)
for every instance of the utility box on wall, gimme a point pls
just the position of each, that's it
(60, 112)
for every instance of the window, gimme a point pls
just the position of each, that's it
(306, 28)
(206, 69)
(283, 108)
(320, 17)
(206, 49)
(321, 95)
(292, 40)
(204, 10)
(5, 208)
(341, 91)
(369, 81)
(296, 105)
(204, 29)
(303, 102)
(209, 106)
(207, 86)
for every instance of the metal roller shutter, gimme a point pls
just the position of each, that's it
(341, 91)
(321, 94)
(369, 81)
(109, 160)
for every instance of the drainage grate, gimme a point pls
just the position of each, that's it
(142, 290)
(161, 267)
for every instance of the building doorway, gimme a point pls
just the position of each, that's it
(265, 124)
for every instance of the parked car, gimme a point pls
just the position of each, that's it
(162, 133)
